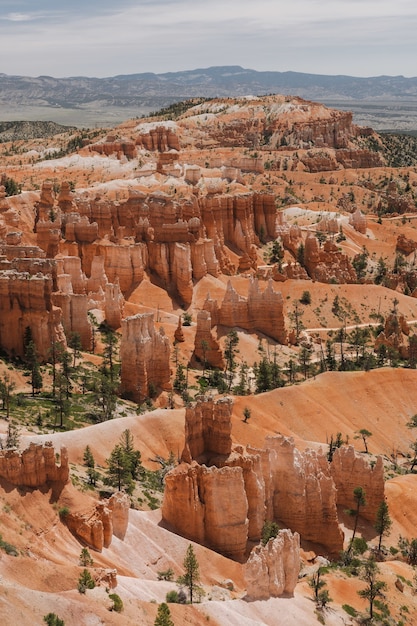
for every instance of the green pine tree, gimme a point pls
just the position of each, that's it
(163, 617)
(191, 577)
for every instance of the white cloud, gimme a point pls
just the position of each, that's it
(18, 17)
(104, 37)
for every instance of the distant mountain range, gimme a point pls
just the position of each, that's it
(126, 95)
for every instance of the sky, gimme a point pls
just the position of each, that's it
(100, 38)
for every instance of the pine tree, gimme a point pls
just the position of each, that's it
(383, 522)
(360, 500)
(31, 358)
(85, 558)
(374, 587)
(163, 617)
(7, 386)
(191, 577)
(118, 472)
(90, 464)
(85, 581)
(75, 344)
(133, 456)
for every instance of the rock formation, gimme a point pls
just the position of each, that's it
(208, 429)
(26, 302)
(358, 221)
(206, 348)
(327, 264)
(34, 467)
(272, 570)
(145, 357)
(278, 482)
(350, 470)
(96, 528)
(395, 334)
(405, 245)
(119, 505)
(261, 311)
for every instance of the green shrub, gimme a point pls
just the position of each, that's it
(349, 610)
(172, 596)
(8, 547)
(53, 620)
(359, 545)
(166, 574)
(63, 512)
(305, 298)
(117, 603)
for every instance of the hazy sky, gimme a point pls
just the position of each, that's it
(109, 37)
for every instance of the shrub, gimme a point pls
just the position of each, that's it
(117, 603)
(305, 298)
(349, 610)
(269, 531)
(172, 596)
(53, 620)
(359, 545)
(8, 547)
(166, 574)
(63, 512)
(85, 558)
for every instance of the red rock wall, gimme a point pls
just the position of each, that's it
(145, 357)
(272, 570)
(34, 467)
(349, 470)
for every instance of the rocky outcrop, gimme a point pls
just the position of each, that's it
(395, 335)
(303, 493)
(158, 136)
(113, 145)
(277, 483)
(26, 302)
(272, 570)
(197, 505)
(405, 245)
(95, 528)
(270, 122)
(261, 311)
(208, 429)
(350, 470)
(119, 505)
(206, 348)
(358, 221)
(327, 264)
(145, 357)
(34, 467)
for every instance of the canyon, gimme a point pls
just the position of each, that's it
(234, 282)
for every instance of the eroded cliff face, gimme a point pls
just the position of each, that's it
(34, 467)
(304, 493)
(277, 482)
(272, 570)
(96, 527)
(145, 357)
(261, 311)
(206, 348)
(395, 335)
(350, 470)
(327, 264)
(26, 302)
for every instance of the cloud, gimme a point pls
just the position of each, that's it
(18, 17)
(103, 37)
